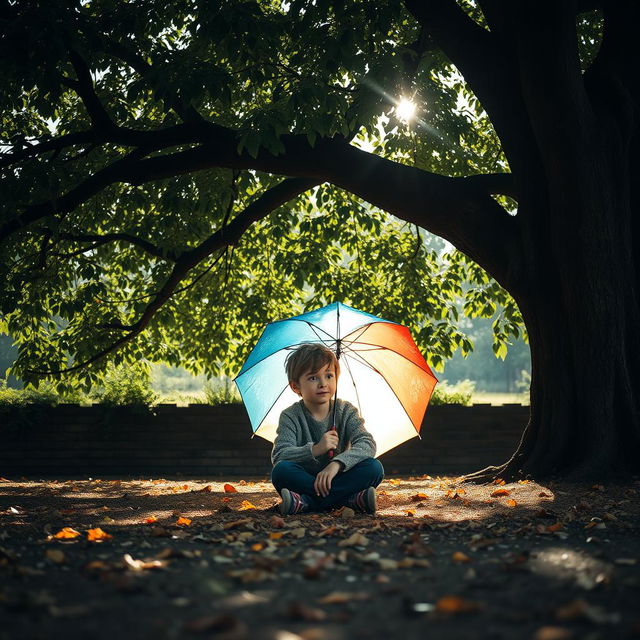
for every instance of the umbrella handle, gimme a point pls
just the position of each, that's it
(331, 451)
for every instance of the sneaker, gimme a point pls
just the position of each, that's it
(364, 501)
(292, 502)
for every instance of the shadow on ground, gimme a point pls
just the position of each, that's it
(181, 558)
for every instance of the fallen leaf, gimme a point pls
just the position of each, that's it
(354, 540)
(276, 522)
(552, 633)
(552, 528)
(151, 520)
(245, 505)
(328, 531)
(207, 489)
(511, 503)
(298, 533)
(55, 555)
(410, 513)
(499, 481)
(276, 535)
(301, 611)
(419, 496)
(258, 546)
(460, 557)
(340, 597)
(141, 565)
(500, 492)
(456, 604)
(67, 533)
(183, 522)
(236, 523)
(229, 488)
(97, 535)
(98, 565)
(394, 481)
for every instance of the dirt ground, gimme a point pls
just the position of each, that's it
(190, 558)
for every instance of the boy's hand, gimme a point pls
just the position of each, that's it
(328, 441)
(322, 485)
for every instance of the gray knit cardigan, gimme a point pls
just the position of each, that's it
(298, 431)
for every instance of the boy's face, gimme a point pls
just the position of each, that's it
(317, 388)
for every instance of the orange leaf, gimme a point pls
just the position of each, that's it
(97, 535)
(555, 527)
(246, 505)
(394, 481)
(500, 492)
(524, 481)
(276, 535)
(411, 513)
(419, 496)
(455, 604)
(258, 546)
(151, 520)
(183, 522)
(229, 488)
(511, 503)
(226, 499)
(67, 533)
(499, 481)
(460, 557)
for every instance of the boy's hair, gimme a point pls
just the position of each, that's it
(309, 357)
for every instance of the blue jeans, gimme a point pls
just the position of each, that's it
(293, 476)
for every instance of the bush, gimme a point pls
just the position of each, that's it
(45, 394)
(128, 385)
(221, 391)
(459, 393)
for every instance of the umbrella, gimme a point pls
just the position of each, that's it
(382, 372)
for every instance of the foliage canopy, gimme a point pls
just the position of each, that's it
(144, 208)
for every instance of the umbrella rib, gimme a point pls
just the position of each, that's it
(377, 347)
(313, 327)
(355, 386)
(266, 413)
(356, 356)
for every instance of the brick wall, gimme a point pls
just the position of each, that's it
(201, 440)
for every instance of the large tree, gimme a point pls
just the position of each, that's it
(175, 173)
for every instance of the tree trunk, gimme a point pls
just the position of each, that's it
(580, 304)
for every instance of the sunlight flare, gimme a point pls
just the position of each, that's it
(405, 109)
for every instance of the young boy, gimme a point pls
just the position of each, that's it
(304, 474)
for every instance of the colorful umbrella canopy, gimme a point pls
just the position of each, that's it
(382, 372)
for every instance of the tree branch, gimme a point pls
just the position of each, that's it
(229, 235)
(85, 89)
(485, 59)
(102, 239)
(55, 144)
